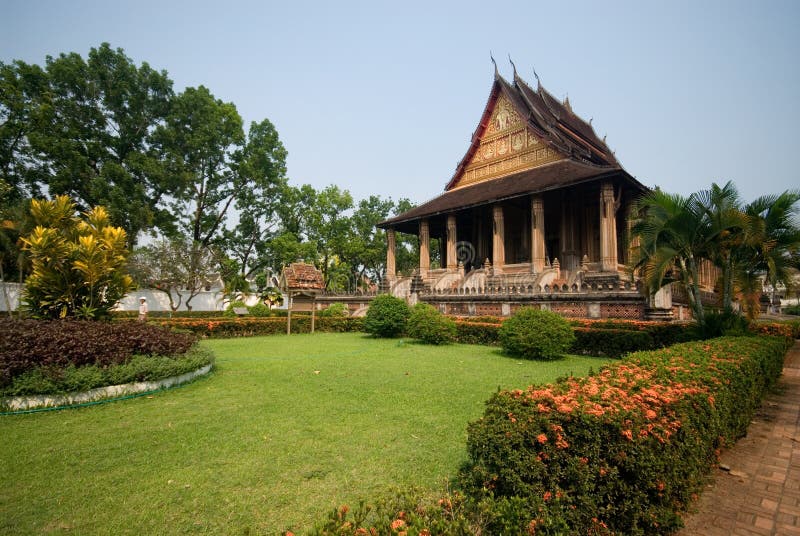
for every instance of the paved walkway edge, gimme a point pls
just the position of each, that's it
(760, 494)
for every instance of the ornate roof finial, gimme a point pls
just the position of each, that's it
(538, 82)
(496, 74)
(513, 66)
(567, 105)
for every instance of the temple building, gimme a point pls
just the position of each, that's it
(536, 213)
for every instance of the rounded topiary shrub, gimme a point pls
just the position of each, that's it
(229, 310)
(336, 310)
(430, 326)
(535, 334)
(260, 310)
(387, 316)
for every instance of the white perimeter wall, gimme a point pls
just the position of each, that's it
(212, 300)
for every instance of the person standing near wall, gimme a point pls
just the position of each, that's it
(142, 309)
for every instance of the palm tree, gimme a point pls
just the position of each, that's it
(727, 233)
(674, 234)
(771, 247)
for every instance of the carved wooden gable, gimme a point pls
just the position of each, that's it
(507, 146)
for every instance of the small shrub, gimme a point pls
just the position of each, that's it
(259, 310)
(229, 310)
(387, 316)
(334, 310)
(535, 334)
(792, 310)
(428, 325)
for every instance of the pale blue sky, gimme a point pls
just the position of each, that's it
(382, 97)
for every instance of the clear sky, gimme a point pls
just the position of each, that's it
(382, 97)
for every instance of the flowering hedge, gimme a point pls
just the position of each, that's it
(624, 450)
(252, 326)
(778, 329)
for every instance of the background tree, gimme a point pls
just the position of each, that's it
(329, 227)
(78, 264)
(175, 267)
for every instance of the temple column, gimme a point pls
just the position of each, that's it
(537, 234)
(569, 254)
(452, 258)
(608, 228)
(498, 240)
(424, 249)
(391, 266)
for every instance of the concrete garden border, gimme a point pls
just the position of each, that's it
(21, 404)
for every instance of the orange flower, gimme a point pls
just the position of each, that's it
(398, 524)
(547, 496)
(541, 438)
(627, 434)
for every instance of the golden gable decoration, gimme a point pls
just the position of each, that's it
(506, 147)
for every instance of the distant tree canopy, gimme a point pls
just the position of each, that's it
(179, 166)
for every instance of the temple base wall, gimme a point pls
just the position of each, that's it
(620, 307)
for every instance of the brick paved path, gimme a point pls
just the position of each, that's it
(760, 495)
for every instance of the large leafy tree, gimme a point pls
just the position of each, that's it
(83, 127)
(78, 263)
(222, 172)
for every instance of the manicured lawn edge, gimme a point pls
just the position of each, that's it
(25, 404)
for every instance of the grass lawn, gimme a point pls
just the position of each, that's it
(285, 429)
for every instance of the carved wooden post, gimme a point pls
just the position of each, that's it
(424, 249)
(498, 240)
(608, 228)
(452, 260)
(391, 267)
(537, 234)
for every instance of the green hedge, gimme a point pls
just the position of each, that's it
(624, 449)
(610, 342)
(477, 332)
(166, 314)
(253, 326)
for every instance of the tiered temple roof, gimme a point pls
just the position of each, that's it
(527, 141)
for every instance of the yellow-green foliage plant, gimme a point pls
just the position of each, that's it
(78, 262)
